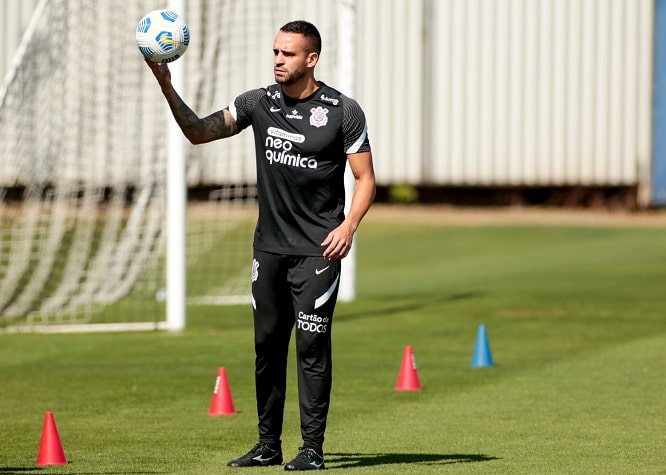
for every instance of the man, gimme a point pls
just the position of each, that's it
(305, 133)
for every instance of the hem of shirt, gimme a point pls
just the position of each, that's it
(289, 252)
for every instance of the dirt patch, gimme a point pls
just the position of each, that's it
(462, 216)
(466, 216)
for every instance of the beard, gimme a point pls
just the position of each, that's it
(293, 77)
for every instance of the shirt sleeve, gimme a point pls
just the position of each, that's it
(241, 108)
(354, 127)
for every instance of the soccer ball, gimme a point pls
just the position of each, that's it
(162, 36)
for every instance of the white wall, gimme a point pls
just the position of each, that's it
(509, 92)
(461, 92)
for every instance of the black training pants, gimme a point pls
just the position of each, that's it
(288, 291)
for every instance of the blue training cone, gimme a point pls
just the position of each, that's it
(482, 356)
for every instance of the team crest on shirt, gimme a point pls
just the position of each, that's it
(255, 270)
(319, 117)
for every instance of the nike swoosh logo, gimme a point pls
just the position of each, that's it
(261, 459)
(275, 109)
(319, 271)
(316, 465)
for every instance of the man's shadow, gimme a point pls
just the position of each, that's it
(386, 306)
(349, 460)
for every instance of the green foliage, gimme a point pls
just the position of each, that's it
(575, 320)
(403, 194)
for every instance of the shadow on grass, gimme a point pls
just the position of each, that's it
(341, 460)
(18, 469)
(387, 307)
(22, 470)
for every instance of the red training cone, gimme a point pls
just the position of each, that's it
(50, 447)
(408, 379)
(222, 403)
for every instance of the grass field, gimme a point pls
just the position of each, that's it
(576, 320)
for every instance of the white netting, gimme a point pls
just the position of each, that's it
(83, 159)
(82, 171)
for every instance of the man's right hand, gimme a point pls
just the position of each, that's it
(161, 73)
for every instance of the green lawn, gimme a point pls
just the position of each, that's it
(576, 321)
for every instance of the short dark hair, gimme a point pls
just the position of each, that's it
(308, 30)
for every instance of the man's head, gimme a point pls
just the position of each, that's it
(296, 52)
(309, 33)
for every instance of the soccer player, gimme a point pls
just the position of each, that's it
(305, 133)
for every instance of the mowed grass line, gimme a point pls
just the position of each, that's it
(575, 318)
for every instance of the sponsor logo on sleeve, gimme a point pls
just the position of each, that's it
(325, 98)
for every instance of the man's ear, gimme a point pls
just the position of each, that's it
(313, 57)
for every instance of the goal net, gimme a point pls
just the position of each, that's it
(83, 160)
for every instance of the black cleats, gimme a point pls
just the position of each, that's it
(261, 455)
(307, 459)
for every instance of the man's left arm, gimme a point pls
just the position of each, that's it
(339, 241)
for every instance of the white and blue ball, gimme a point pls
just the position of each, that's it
(162, 36)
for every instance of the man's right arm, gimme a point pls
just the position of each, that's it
(218, 125)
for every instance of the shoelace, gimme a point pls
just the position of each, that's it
(307, 454)
(261, 448)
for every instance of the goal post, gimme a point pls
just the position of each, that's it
(176, 270)
(346, 75)
(96, 228)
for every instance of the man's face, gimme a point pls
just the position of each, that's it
(291, 60)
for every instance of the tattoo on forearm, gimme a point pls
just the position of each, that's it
(218, 126)
(187, 117)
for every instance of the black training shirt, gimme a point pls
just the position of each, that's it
(301, 151)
